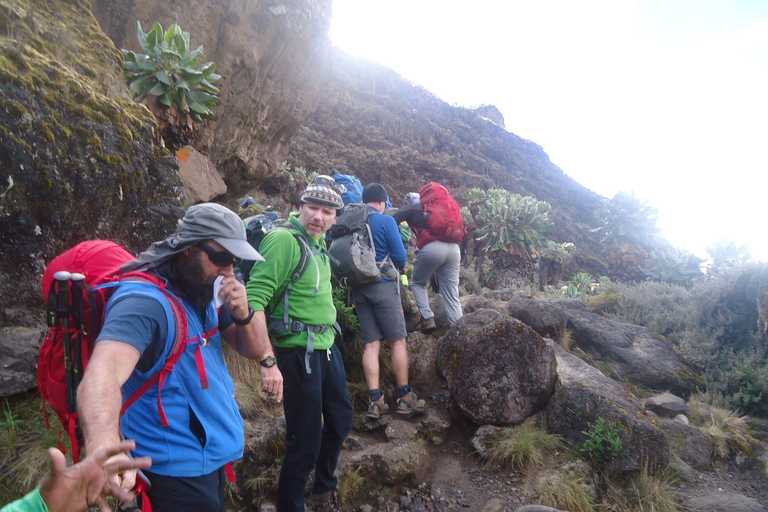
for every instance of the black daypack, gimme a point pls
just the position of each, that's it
(256, 228)
(353, 248)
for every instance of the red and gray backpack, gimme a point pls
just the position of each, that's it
(76, 287)
(444, 219)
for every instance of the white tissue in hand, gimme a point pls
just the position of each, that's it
(218, 300)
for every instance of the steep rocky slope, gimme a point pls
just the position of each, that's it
(78, 158)
(274, 58)
(377, 125)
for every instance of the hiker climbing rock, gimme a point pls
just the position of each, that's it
(377, 298)
(436, 220)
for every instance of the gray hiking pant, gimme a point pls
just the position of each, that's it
(443, 258)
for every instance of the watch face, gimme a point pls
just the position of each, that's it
(268, 362)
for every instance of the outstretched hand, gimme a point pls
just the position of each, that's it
(88, 483)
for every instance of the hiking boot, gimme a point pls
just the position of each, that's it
(377, 408)
(325, 502)
(410, 405)
(426, 325)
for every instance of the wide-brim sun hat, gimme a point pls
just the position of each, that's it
(207, 221)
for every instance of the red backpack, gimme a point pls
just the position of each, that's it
(76, 287)
(444, 220)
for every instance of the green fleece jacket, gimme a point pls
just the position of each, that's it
(32, 502)
(310, 301)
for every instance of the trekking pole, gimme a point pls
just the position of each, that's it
(77, 314)
(63, 309)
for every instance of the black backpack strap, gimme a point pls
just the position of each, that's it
(296, 275)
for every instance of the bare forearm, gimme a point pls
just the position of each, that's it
(251, 340)
(99, 402)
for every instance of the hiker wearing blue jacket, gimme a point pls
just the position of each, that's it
(193, 429)
(380, 311)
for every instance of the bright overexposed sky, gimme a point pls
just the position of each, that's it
(666, 98)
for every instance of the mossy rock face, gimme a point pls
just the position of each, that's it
(78, 158)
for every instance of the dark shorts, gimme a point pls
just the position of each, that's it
(187, 494)
(380, 311)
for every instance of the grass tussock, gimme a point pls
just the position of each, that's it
(24, 443)
(566, 340)
(352, 484)
(522, 447)
(246, 375)
(264, 484)
(728, 432)
(562, 491)
(645, 492)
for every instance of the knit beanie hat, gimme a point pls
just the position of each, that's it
(322, 194)
(374, 193)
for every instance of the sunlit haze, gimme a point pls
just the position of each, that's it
(668, 99)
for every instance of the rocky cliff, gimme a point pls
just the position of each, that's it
(373, 123)
(274, 58)
(78, 158)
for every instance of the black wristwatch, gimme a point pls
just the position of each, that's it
(246, 320)
(268, 362)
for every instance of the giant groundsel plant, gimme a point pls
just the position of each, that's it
(172, 80)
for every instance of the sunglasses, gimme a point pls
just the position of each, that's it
(325, 181)
(218, 258)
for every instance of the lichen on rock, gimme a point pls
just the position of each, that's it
(84, 160)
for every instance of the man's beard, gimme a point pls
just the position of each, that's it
(192, 280)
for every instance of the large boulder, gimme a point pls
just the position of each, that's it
(19, 347)
(545, 318)
(667, 405)
(634, 353)
(78, 158)
(422, 354)
(200, 181)
(469, 304)
(583, 395)
(399, 462)
(275, 57)
(723, 502)
(499, 370)
(689, 443)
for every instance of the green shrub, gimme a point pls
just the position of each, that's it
(727, 255)
(752, 396)
(297, 174)
(673, 266)
(705, 332)
(602, 444)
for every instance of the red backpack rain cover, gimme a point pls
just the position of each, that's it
(444, 221)
(99, 261)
